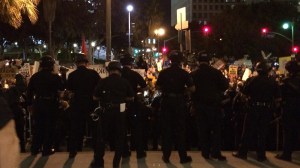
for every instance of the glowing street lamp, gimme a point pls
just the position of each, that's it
(159, 32)
(129, 9)
(287, 26)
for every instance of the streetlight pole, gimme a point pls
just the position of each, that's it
(129, 9)
(286, 26)
(93, 44)
(159, 32)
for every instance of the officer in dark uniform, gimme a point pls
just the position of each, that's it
(13, 95)
(210, 87)
(291, 111)
(113, 92)
(81, 83)
(262, 93)
(173, 83)
(136, 112)
(44, 91)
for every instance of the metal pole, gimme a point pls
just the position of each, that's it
(129, 44)
(292, 34)
(108, 29)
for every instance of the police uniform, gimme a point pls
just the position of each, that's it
(210, 87)
(81, 83)
(172, 82)
(291, 112)
(136, 112)
(43, 95)
(262, 92)
(112, 92)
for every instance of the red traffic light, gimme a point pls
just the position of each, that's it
(164, 49)
(206, 30)
(295, 49)
(264, 30)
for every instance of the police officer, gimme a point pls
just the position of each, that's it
(44, 91)
(137, 114)
(210, 87)
(173, 83)
(262, 93)
(81, 83)
(291, 113)
(113, 92)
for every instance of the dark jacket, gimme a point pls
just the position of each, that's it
(210, 85)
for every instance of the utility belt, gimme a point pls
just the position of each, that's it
(46, 97)
(172, 95)
(261, 104)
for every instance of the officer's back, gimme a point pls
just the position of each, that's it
(261, 88)
(82, 81)
(209, 82)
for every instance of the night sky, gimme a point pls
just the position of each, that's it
(166, 5)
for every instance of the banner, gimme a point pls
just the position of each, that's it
(282, 61)
(25, 70)
(233, 71)
(100, 69)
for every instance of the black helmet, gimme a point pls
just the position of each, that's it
(262, 67)
(202, 57)
(81, 58)
(114, 65)
(126, 59)
(176, 56)
(47, 62)
(292, 67)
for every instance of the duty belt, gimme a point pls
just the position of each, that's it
(260, 103)
(46, 97)
(172, 95)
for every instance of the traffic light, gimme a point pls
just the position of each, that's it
(164, 50)
(295, 49)
(264, 31)
(206, 30)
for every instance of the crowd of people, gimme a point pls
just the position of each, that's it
(198, 109)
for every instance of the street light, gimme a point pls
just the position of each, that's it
(93, 44)
(287, 26)
(129, 9)
(159, 32)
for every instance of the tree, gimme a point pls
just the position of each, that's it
(239, 28)
(11, 11)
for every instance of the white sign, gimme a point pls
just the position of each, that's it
(100, 69)
(181, 15)
(25, 70)
(182, 23)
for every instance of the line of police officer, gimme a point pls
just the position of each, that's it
(204, 86)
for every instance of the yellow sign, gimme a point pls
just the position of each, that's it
(233, 70)
(282, 61)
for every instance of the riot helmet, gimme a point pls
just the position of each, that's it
(81, 58)
(175, 56)
(292, 67)
(47, 62)
(114, 65)
(202, 57)
(126, 59)
(262, 67)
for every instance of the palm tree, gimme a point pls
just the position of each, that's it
(12, 11)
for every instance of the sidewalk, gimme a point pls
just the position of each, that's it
(153, 160)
